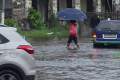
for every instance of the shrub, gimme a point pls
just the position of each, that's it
(19, 30)
(54, 21)
(35, 18)
(10, 22)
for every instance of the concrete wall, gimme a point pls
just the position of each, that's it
(41, 8)
(97, 5)
(50, 7)
(28, 4)
(85, 29)
(116, 5)
(98, 8)
(54, 6)
(78, 4)
(20, 9)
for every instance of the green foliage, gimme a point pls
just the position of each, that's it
(43, 32)
(10, 22)
(60, 31)
(56, 28)
(35, 18)
(117, 55)
(6, 16)
(19, 30)
(43, 27)
(68, 22)
(36, 33)
(54, 21)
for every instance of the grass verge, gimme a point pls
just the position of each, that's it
(117, 55)
(38, 34)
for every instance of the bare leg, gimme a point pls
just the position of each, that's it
(77, 45)
(68, 45)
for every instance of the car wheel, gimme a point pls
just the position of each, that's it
(9, 75)
(95, 45)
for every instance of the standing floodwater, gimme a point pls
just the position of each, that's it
(54, 61)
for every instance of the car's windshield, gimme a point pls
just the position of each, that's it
(109, 26)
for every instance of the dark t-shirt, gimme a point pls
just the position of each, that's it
(94, 22)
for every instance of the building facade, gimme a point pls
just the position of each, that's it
(45, 7)
(16, 9)
(88, 5)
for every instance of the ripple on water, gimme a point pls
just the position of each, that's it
(56, 62)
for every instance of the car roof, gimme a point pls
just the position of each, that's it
(3, 25)
(2, 29)
(110, 21)
(11, 34)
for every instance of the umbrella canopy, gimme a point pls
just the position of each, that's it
(71, 14)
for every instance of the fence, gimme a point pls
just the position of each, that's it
(101, 15)
(84, 28)
(104, 15)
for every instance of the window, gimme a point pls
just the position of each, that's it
(89, 5)
(34, 4)
(0, 40)
(3, 39)
(109, 26)
(69, 3)
(8, 4)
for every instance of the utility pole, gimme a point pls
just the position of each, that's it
(3, 12)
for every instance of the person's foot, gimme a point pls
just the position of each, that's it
(77, 45)
(68, 45)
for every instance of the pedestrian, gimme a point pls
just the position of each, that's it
(94, 22)
(74, 38)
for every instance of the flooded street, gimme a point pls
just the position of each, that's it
(54, 61)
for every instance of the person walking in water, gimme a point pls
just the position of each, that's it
(94, 22)
(74, 38)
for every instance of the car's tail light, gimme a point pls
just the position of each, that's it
(27, 48)
(94, 35)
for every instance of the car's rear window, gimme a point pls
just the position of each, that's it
(109, 26)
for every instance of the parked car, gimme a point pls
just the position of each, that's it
(16, 56)
(107, 33)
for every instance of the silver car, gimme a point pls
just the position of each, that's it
(16, 56)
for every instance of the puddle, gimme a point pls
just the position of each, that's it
(54, 61)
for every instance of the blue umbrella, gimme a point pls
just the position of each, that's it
(71, 14)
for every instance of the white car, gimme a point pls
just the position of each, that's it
(16, 56)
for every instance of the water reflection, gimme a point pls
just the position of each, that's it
(56, 62)
(72, 52)
(94, 54)
(94, 57)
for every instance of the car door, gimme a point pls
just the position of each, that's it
(2, 49)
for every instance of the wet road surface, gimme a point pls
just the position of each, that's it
(54, 61)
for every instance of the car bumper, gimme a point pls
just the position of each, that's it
(105, 42)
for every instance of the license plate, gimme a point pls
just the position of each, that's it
(110, 36)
